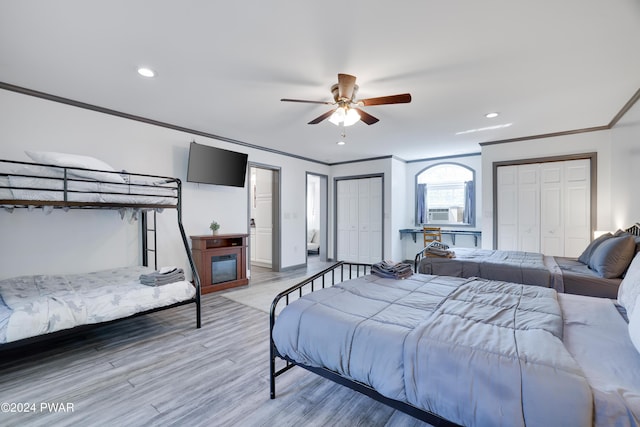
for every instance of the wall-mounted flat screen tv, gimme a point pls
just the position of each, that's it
(211, 165)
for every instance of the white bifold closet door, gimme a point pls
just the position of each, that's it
(566, 207)
(545, 207)
(359, 220)
(519, 208)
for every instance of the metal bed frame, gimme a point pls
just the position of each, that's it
(147, 227)
(327, 278)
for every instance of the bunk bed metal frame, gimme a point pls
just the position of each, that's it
(69, 175)
(327, 278)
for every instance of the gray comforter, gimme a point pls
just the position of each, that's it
(473, 351)
(529, 268)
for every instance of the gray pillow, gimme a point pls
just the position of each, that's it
(586, 255)
(612, 257)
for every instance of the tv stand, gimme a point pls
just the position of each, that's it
(221, 260)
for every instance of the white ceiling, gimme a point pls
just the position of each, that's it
(547, 66)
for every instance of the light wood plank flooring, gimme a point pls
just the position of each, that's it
(160, 370)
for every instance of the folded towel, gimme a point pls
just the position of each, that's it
(438, 249)
(163, 277)
(391, 270)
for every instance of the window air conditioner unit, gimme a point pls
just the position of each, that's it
(436, 215)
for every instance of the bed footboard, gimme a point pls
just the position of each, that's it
(417, 259)
(337, 273)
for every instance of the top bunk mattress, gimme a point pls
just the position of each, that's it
(41, 304)
(32, 184)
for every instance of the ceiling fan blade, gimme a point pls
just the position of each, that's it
(321, 118)
(366, 117)
(306, 101)
(391, 99)
(346, 83)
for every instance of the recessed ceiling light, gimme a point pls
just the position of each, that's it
(146, 72)
(491, 115)
(506, 125)
(340, 142)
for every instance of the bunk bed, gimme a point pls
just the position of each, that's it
(39, 307)
(457, 351)
(597, 272)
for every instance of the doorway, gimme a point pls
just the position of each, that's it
(264, 216)
(316, 214)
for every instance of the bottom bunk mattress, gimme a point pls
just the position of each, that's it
(530, 268)
(473, 351)
(41, 304)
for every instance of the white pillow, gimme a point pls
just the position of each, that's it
(634, 326)
(77, 161)
(630, 286)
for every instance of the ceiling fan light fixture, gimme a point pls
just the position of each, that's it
(338, 116)
(352, 117)
(344, 116)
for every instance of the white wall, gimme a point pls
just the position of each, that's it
(625, 170)
(81, 241)
(599, 142)
(400, 193)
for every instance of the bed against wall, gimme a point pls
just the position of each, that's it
(597, 272)
(37, 306)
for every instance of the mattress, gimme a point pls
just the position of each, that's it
(580, 280)
(597, 337)
(529, 268)
(40, 183)
(41, 304)
(473, 351)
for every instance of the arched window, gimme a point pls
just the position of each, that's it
(445, 195)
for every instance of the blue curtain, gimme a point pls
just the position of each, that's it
(422, 203)
(469, 203)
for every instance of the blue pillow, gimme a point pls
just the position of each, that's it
(586, 255)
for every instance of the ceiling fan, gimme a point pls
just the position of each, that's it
(347, 111)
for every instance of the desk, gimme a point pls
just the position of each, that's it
(453, 233)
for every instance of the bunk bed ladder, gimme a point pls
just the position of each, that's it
(147, 229)
(192, 264)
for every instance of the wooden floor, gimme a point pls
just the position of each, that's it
(160, 370)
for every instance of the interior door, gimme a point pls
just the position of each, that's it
(544, 207)
(528, 208)
(374, 226)
(577, 206)
(263, 218)
(507, 199)
(347, 221)
(359, 219)
(552, 218)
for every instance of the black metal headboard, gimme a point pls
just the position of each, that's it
(634, 229)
